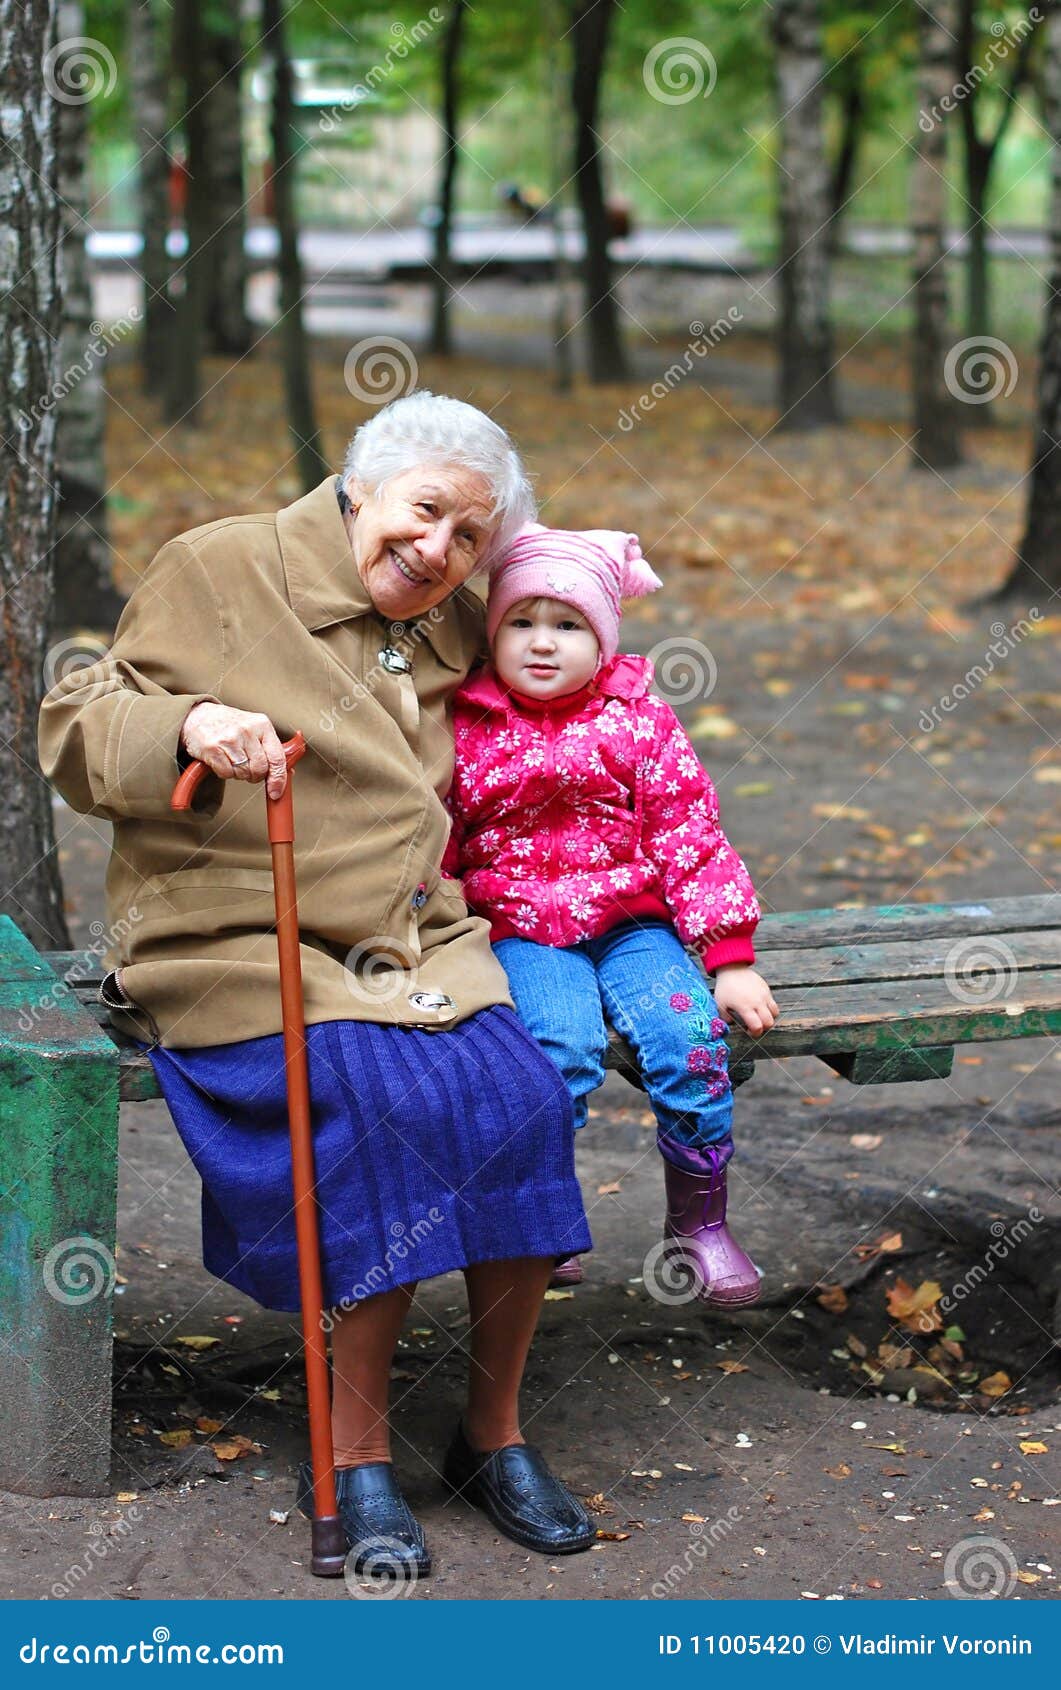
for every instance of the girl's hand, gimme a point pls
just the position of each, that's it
(740, 990)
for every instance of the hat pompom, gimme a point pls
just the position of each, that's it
(638, 576)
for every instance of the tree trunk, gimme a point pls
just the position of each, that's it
(441, 339)
(188, 283)
(84, 593)
(1036, 576)
(607, 359)
(852, 118)
(559, 155)
(301, 416)
(936, 442)
(228, 328)
(148, 100)
(806, 394)
(30, 314)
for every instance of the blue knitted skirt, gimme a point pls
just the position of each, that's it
(433, 1151)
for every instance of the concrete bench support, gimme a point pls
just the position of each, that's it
(58, 1200)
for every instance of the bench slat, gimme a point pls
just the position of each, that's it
(800, 929)
(912, 959)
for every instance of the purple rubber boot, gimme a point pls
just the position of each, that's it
(721, 1274)
(566, 1272)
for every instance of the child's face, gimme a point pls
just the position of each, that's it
(545, 648)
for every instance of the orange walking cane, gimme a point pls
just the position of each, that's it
(328, 1536)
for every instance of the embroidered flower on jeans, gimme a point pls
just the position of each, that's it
(681, 1001)
(717, 1087)
(700, 1060)
(718, 1028)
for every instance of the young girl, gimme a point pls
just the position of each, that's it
(587, 831)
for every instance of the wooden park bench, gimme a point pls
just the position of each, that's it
(880, 995)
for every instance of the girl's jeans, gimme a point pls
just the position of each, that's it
(641, 977)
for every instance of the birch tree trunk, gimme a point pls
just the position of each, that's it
(442, 281)
(29, 337)
(148, 115)
(937, 442)
(84, 593)
(1037, 575)
(589, 32)
(188, 283)
(228, 327)
(806, 395)
(301, 414)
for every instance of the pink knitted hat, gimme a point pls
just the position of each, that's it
(592, 569)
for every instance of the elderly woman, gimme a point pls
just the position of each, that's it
(443, 1134)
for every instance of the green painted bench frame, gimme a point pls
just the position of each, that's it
(880, 995)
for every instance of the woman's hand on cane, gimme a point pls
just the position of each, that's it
(236, 744)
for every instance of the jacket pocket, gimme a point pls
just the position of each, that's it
(202, 902)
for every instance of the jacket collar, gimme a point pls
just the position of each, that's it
(625, 676)
(323, 585)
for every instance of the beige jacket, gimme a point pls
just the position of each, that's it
(268, 613)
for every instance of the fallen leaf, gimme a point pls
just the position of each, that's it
(731, 1366)
(874, 1584)
(1028, 1578)
(204, 1424)
(890, 1242)
(832, 1298)
(230, 1449)
(1031, 1446)
(695, 1519)
(610, 1189)
(996, 1385)
(840, 1471)
(176, 1440)
(558, 1296)
(128, 1495)
(611, 1537)
(916, 1310)
(713, 726)
(197, 1343)
(866, 1141)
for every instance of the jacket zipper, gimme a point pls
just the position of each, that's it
(549, 728)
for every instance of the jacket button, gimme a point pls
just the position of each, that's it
(435, 1001)
(420, 897)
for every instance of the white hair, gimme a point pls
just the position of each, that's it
(433, 429)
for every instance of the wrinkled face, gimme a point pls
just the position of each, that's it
(419, 536)
(545, 648)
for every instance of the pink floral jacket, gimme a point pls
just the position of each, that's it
(572, 816)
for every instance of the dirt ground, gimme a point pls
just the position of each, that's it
(724, 1456)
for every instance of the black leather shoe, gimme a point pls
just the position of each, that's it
(516, 1490)
(377, 1520)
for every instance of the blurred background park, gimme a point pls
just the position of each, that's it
(775, 286)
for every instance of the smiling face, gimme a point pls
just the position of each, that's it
(419, 536)
(545, 648)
